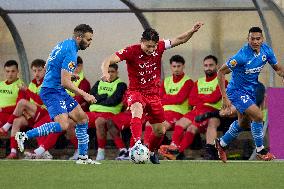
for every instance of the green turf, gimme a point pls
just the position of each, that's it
(115, 174)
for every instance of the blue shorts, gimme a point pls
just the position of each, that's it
(57, 101)
(240, 100)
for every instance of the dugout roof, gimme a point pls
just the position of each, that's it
(30, 28)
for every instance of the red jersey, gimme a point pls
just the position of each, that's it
(144, 71)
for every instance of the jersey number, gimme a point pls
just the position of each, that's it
(245, 98)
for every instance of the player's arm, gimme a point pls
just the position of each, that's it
(222, 84)
(278, 69)
(184, 37)
(68, 84)
(105, 65)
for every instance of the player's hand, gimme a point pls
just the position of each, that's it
(106, 77)
(75, 77)
(226, 105)
(89, 98)
(197, 26)
(23, 87)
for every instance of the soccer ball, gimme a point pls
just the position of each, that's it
(139, 154)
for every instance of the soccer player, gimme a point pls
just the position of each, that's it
(205, 96)
(245, 67)
(174, 95)
(144, 71)
(59, 69)
(10, 93)
(81, 83)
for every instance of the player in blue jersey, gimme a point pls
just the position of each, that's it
(60, 68)
(245, 67)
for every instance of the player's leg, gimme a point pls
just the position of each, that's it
(114, 132)
(211, 134)
(115, 125)
(22, 106)
(181, 125)
(18, 123)
(3, 119)
(256, 116)
(101, 132)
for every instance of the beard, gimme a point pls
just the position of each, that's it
(82, 45)
(210, 73)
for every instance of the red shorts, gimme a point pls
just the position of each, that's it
(4, 118)
(42, 120)
(40, 113)
(151, 104)
(202, 126)
(171, 117)
(93, 116)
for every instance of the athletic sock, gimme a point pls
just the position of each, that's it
(45, 129)
(136, 128)
(177, 134)
(186, 141)
(83, 138)
(231, 134)
(257, 134)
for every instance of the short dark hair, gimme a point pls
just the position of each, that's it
(114, 66)
(38, 63)
(177, 58)
(150, 35)
(10, 63)
(255, 29)
(81, 29)
(214, 58)
(79, 60)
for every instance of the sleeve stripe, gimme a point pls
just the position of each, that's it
(167, 44)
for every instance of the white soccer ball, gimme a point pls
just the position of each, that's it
(139, 154)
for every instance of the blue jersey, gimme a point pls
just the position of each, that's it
(63, 56)
(246, 66)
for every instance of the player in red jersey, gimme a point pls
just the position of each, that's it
(144, 71)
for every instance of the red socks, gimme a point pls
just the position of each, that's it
(136, 128)
(177, 134)
(186, 141)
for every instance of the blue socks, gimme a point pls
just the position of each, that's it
(257, 134)
(83, 138)
(231, 134)
(45, 129)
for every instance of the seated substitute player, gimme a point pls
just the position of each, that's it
(144, 71)
(109, 95)
(10, 93)
(205, 96)
(245, 67)
(29, 110)
(59, 69)
(174, 95)
(82, 83)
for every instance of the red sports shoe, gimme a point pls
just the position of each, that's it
(264, 155)
(3, 132)
(221, 151)
(12, 155)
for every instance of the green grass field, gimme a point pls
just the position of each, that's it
(116, 174)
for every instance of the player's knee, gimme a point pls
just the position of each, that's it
(192, 129)
(136, 110)
(184, 123)
(159, 130)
